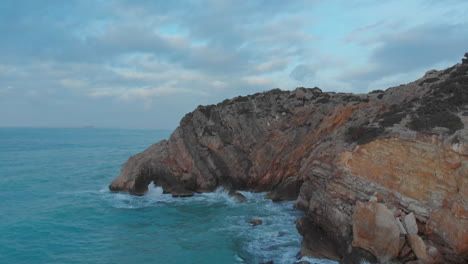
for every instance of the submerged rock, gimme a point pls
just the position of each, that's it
(333, 151)
(256, 222)
(182, 193)
(238, 197)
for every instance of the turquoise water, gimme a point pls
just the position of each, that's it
(55, 207)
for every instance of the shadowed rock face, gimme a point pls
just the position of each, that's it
(332, 151)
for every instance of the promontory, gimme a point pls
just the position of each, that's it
(381, 177)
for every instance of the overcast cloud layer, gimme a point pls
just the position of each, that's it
(144, 64)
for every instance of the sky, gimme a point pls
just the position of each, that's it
(146, 63)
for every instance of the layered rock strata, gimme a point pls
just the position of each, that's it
(381, 176)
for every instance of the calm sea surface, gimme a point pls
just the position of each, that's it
(55, 207)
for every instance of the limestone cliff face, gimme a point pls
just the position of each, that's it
(357, 164)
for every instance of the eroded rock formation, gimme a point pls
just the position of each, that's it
(357, 164)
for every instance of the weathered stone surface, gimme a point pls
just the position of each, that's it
(406, 146)
(434, 255)
(418, 246)
(401, 227)
(447, 228)
(375, 229)
(409, 222)
(405, 251)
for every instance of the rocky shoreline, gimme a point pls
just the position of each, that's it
(380, 176)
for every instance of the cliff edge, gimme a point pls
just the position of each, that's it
(381, 176)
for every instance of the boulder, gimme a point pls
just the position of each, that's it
(375, 230)
(256, 222)
(409, 222)
(239, 197)
(419, 248)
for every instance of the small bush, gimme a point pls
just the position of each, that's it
(363, 134)
(240, 99)
(376, 91)
(325, 99)
(425, 123)
(429, 80)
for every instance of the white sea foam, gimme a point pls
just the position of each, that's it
(154, 190)
(275, 239)
(318, 261)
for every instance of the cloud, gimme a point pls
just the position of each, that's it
(357, 33)
(31, 93)
(72, 83)
(412, 49)
(419, 46)
(167, 57)
(303, 73)
(144, 93)
(276, 64)
(5, 90)
(252, 80)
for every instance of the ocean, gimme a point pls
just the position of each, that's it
(55, 207)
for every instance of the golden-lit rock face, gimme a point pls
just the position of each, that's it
(432, 174)
(422, 171)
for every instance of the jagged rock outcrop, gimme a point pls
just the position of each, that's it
(351, 160)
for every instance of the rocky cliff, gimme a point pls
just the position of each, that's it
(381, 176)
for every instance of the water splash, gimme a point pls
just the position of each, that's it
(153, 190)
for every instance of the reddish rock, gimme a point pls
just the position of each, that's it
(405, 251)
(375, 229)
(418, 247)
(445, 227)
